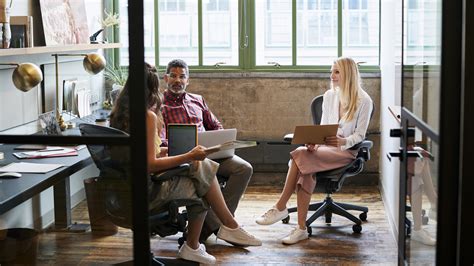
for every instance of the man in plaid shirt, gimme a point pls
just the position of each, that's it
(180, 106)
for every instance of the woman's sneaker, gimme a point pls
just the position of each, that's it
(237, 236)
(272, 216)
(295, 236)
(423, 237)
(198, 255)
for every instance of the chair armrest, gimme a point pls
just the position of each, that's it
(168, 174)
(364, 144)
(288, 137)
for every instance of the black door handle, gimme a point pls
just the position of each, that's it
(399, 154)
(397, 132)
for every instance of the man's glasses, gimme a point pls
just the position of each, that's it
(176, 77)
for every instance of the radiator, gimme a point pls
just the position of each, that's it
(268, 156)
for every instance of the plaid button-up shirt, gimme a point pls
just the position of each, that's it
(187, 108)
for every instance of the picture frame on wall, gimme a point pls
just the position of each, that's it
(64, 22)
(22, 31)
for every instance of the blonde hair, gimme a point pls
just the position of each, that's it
(349, 87)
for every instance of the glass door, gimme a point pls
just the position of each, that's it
(420, 134)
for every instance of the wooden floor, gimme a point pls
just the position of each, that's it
(329, 245)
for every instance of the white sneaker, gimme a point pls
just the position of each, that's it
(295, 236)
(423, 237)
(198, 255)
(237, 236)
(272, 216)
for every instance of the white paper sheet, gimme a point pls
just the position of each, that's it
(39, 168)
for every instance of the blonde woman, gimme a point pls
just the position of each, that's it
(346, 104)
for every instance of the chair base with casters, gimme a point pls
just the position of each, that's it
(331, 181)
(329, 207)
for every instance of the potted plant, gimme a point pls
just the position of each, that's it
(116, 77)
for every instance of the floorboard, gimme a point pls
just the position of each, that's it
(329, 245)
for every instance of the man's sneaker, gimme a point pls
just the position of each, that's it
(237, 236)
(423, 237)
(272, 216)
(198, 255)
(295, 236)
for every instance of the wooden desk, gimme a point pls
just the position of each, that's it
(15, 191)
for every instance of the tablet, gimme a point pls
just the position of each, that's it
(314, 134)
(181, 138)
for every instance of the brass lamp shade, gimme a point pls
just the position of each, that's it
(26, 76)
(94, 63)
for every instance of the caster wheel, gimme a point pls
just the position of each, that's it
(286, 220)
(328, 217)
(357, 228)
(310, 230)
(363, 216)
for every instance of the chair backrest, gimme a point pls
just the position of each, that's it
(336, 177)
(317, 109)
(114, 179)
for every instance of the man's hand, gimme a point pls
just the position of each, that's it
(198, 153)
(335, 141)
(310, 147)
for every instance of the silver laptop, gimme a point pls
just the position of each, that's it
(216, 137)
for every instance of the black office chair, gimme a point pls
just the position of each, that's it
(332, 180)
(115, 183)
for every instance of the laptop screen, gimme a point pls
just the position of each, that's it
(181, 138)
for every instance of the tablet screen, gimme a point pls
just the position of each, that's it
(181, 138)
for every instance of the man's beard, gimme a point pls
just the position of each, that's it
(177, 88)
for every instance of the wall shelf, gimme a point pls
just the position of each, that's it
(57, 49)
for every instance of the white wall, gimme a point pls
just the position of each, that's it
(390, 95)
(17, 108)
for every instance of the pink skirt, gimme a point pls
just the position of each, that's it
(323, 158)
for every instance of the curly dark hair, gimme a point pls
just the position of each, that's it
(120, 115)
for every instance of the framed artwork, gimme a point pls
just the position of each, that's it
(49, 124)
(22, 31)
(64, 22)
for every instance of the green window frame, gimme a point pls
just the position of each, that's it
(247, 32)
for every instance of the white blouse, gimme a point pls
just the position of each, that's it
(353, 131)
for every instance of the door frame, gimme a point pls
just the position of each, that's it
(451, 248)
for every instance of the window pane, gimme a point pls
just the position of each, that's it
(317, 33)
(273, 32)
(179, 32)
(423, 35)
(361, 30)
(148, 35)
(221, 33)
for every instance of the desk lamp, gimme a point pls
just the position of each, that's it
(93, 63)
(25, 76)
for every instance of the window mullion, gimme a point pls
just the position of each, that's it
(339, 28)
(156, 20)
(200, 31)
(294, 19)
(248, 28)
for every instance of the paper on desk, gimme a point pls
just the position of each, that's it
(49, 152)
(39, 168)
